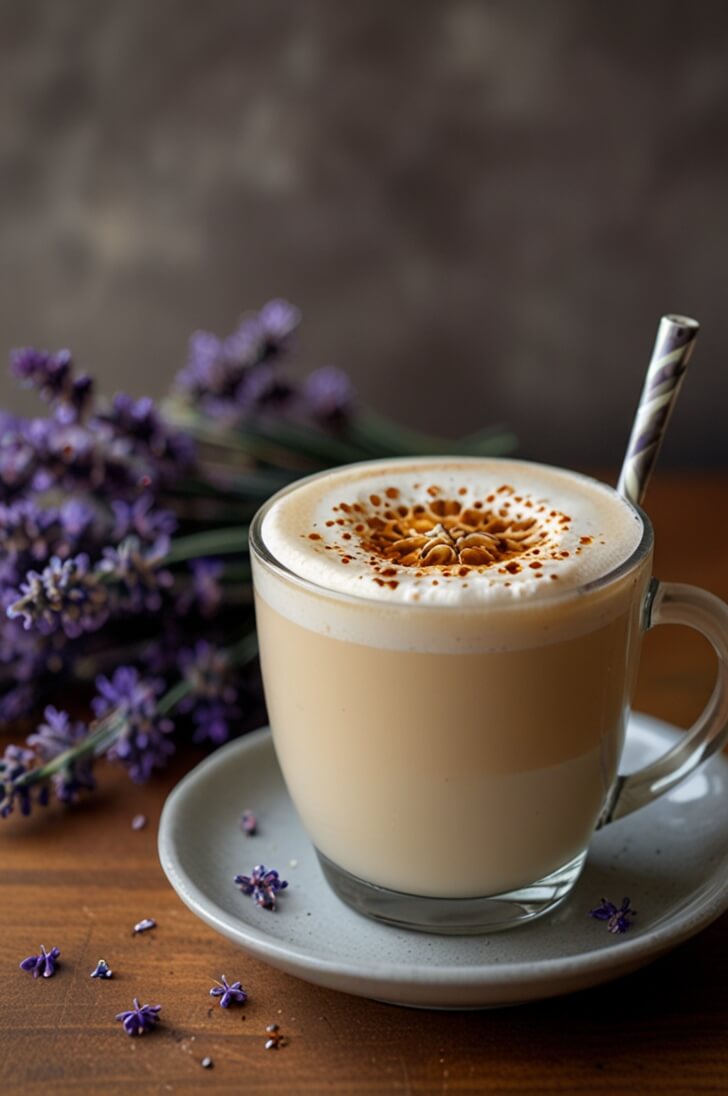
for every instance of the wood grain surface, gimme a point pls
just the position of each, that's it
(80, 879)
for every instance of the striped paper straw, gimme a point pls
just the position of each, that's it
(674, 344)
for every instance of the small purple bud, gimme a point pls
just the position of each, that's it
(144, 925)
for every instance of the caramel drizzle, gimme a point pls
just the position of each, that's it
(442, 534)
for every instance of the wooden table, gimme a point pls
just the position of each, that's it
(81, 879)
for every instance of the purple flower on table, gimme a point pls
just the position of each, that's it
(143, 744)
(249, 823)
(144, 925)
(102, 970)
(140, 1018)
(42, 965)
(328, 395)
(14, 764)
(229, 994)
(67, 595)
(617, 918)
(263, 885)
(137, 573)
(213, 702)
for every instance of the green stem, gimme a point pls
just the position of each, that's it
(388, 438)
(218, 542)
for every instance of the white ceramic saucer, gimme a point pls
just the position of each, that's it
(670, 858)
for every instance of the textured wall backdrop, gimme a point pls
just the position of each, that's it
(481, 207)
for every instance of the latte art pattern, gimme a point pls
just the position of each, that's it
(444, 533)
(450, 532)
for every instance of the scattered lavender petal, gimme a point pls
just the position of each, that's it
(139, 1019)
(145, 925)
(139, 821)
(102, 970)
(262, 885)
(249, 823)
(43, 964)
(617, 918)
(229, 994)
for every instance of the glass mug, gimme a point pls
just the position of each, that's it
(450, 763)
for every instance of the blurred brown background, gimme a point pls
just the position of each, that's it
(482, 208)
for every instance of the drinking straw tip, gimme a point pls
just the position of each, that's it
(674, 346)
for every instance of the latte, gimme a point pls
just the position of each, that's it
(448, 652)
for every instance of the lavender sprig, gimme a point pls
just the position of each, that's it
(66, 595)
(19, 774)
(123, 531)
(144, 742)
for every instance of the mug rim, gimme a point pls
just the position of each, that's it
(266, 558)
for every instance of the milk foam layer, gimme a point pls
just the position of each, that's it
(451, 532)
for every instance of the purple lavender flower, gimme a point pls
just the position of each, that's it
(617, 918)
(216, 367)
(49, 373)
(139, 821)
(262, 389)
(14, 764)
(76, 520)
(139, 1019)
(43, 964)
(262, 885)
(205, 594)
(137, 574)
(328, 395)
(213, 702)
(138, 424)
(228, 994)
(206, 369)
(27, 530)
(248, 823)
(16, 703)
(66, 595)
(140, 518)
(53, 737)
(278, 320)
(143, 743)
(102, 970)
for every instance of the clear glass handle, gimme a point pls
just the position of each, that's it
(675, 603)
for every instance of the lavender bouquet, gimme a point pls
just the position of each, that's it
(123, 541)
